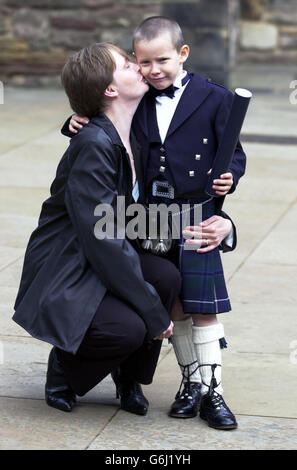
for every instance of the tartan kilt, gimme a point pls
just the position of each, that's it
(203, 283)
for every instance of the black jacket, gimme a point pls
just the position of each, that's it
(67, 270)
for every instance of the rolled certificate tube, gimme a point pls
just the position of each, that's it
(229, 138)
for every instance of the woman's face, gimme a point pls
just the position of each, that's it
(127, 78)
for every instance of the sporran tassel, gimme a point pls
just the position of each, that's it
(160, 247)
(147, 244)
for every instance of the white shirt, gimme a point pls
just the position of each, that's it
(166, 106)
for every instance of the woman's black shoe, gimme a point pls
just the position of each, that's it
(187, 403)
(58, 394)
(215, 411)
(130, 393)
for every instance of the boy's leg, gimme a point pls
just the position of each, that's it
(208, 336)
(186, 403)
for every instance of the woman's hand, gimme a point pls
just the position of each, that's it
(77, 123)
(167, 333)
(210, 233)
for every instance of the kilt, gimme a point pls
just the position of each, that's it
(203, 283)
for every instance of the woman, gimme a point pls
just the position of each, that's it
(100, 302)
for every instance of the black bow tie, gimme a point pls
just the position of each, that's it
(169, 91)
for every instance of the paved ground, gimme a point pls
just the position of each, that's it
(260, 364)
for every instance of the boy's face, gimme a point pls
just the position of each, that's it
(159, 61)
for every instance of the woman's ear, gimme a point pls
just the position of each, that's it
(111, 91)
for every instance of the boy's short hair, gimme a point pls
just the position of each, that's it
(86, 75)
(155, 26)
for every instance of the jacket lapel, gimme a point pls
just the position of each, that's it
(146, 118)
(153, 129)
(193, 96)
(140, 118)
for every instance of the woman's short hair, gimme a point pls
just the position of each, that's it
(155, 26)
(86, 75)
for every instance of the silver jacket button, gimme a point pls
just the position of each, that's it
(162, 159)
(191, 173)
(197, 157)
(205, 141)
(162, 169)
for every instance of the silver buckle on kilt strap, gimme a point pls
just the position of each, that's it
(163, 189)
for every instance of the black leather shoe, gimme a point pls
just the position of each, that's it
(130, 393)
(58, 394)
(215, 411)
(187, 404)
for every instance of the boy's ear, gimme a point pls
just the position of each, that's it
(184, 52)
(111, 91)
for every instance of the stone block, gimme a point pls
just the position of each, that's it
(209, 49)
(52, 81)
(140, 3)
(96, 4)
(32, 425)
(22, 200)
(74, 40)
(285, 57)
(45, 4)
(159, 432)
(198, 14)
(10, 45)
(3, 25)
(256, 35)
(281, 12)
(120, 37)
(126, 16)
(22, 61)
(79, 24)
(251, 9)
(288, 37)
(32, 26)
(29, 23)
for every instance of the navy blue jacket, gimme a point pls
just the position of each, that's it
(196, 128)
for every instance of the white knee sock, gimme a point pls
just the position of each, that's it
(184, 350)
(208, 351)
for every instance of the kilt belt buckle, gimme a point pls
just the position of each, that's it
(162, 189)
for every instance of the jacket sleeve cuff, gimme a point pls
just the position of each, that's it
(229, 243)
(65, 129)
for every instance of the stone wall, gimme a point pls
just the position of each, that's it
(36, 36)
(268, 31)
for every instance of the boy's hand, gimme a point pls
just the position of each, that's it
(224, 184)
(167, 333)
(210, 233)
(75, 123)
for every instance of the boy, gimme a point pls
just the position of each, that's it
(179, 123)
